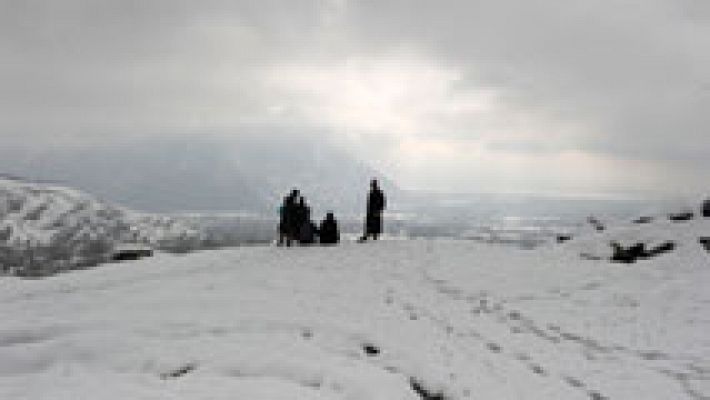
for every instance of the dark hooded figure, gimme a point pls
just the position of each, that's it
(289, 217)
(376, 203)
(307, 230)
(328, 232)
(303, 213)
(283, 229)
(308, 233)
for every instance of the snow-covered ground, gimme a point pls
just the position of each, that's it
(406, 319)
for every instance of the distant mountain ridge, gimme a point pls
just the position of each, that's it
(243, 173)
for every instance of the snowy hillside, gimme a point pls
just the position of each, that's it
(413, 319)
(46, 228)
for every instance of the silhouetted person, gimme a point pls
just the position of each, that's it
(290, 217)
(307, 235)
(376, 203)
(306, 229)
(706, 208)
(328, 232)
(283, 227)
(302, 215)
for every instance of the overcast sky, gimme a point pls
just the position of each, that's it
(576, 97)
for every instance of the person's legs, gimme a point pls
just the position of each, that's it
(376, 227)
(369, 225)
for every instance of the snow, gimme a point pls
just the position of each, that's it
(456, 317)
(45, 228)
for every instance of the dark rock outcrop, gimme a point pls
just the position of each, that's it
(627, 254)
(681, 216)
(563, 238)
(664, 247)
(130, 254)
(370, 349)
(705, 241)
(425, 393)
(638, 251)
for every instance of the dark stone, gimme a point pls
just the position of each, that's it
(664, 247)
(370, 349)
(681, 216)
(643, 220)
(131, 254)
(596, 224)
(176, 373)
(627, 255)
(705, 241)
(638, 251)
(563, 238)
(425, 393)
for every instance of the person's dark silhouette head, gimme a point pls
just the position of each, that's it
(294, 193)
(329, 216)
(373, 184)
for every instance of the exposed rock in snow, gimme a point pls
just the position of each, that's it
(46, 228)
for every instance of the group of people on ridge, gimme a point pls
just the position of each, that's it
(295, 224)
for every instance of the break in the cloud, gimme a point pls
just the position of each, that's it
(541, 96)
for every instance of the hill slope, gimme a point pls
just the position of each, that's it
(241, 173)
(390, 320)
(45, 228)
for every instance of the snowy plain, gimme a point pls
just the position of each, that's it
(407, 319)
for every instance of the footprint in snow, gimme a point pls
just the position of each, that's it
(494, 347)
(594, 395)
(536, 368)
(178, 372)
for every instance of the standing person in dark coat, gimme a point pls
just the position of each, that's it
(328, 232)
(283, 230)
(290, 217)
(376, 203)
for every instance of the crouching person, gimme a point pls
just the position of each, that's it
(308, 233)
(329, 233)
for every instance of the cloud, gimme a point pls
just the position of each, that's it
(623, 71)
(472, 95)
